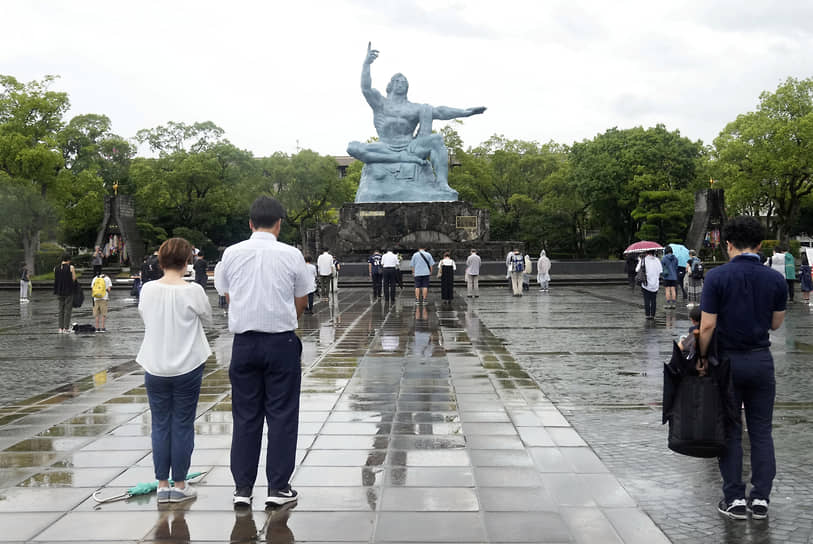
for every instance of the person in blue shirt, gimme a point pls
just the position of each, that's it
(421, 264)
(670, 277)
(743, 301)
(375, 272)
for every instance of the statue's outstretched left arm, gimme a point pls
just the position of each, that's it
(445, 113)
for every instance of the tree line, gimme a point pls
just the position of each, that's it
(585, 200)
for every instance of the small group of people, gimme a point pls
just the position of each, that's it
(384, 271)
(784, 263)
(649, 271)
(265, 303)
(520, 267)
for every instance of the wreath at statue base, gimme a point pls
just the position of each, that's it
(402, 182)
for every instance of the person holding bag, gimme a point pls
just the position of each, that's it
(64, 286)
(742, 301)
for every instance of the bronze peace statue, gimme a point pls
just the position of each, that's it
(403, 166)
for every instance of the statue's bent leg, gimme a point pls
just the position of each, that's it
(438, 156)
(378, 152)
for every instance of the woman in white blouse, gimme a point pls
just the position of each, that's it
(173, 354)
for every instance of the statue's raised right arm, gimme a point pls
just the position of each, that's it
(372, 96)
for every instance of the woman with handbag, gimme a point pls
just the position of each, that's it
(64, 280)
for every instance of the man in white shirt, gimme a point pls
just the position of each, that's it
(267, 285)
(473, 274)
(324, 265)
(389, 264)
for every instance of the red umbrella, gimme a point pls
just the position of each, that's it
(643, 245)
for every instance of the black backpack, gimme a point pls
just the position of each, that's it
(697, 270)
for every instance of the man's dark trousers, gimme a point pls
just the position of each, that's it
(390, 279)
(376, 277)
(265, 375)
(681, 275)
(754, 385)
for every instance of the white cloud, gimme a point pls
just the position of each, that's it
(272, 74)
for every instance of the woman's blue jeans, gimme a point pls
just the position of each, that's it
(173, 402)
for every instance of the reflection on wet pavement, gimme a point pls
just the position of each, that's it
(416, 424)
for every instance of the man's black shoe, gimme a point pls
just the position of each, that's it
(242, 496)
(758, 508)
(735, 509)
(278, 497)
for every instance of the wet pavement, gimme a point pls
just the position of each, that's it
(498, 419)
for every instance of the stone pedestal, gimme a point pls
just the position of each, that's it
(401, 182)
(456, 227)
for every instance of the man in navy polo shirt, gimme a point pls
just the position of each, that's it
(743, 300)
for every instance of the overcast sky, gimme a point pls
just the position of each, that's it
(276, 73)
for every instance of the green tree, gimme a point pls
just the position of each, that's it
(308, 186)
(30, 159)
(767, 154)
(98, 161)
(522, 185)
(199, 180)
(622, 171)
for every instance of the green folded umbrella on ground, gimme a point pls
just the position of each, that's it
(144, 488)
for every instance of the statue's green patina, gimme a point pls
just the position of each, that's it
(403, 166)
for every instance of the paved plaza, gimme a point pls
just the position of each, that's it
(498, 419)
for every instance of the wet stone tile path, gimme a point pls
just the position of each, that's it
(495, 420)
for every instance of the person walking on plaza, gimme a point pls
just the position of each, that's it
(375, 272)
(526, 273)
(516, 265)
(653, 268)
(695, 275)
(805, 281)
(421, 264)
(315, 274)
(508, 259)
(790, 273)
(543, 272)
(324, 265)
(173, 354)
(630, 264)
(24, 283)
(777, 261)
(334, 285)
(446, 271)
(389, 273)
(670, 277)
(743, 301)
(473, 263)
(64, 279)
(151, 269)
(267, 284)
(200, 266)
(682, 269)
(97, 261)
(100, 288)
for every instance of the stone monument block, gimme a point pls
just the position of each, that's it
(402, 182)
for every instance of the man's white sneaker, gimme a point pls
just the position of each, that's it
(281, 496)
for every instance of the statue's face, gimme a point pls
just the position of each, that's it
(398, 85)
